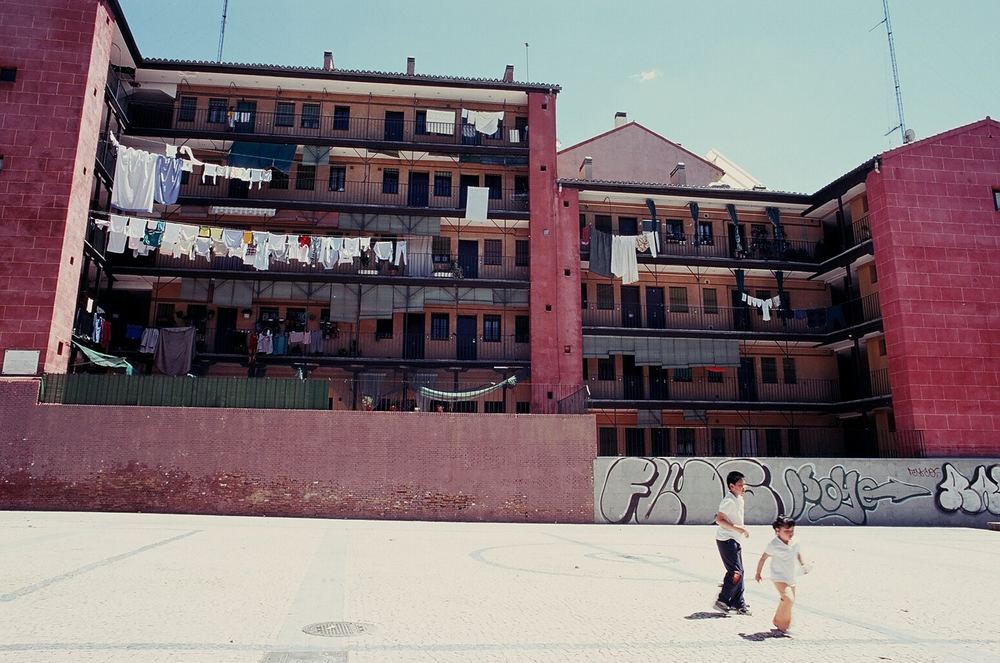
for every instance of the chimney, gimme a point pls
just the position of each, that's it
(328, 60)
(588, 168)
(508, 74)
(678, 176)
(411, 66)
(620, 119)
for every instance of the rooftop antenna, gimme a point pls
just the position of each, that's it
(906, 136)
(527, 71)
(222, 29)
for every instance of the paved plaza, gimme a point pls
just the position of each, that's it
(151, 588)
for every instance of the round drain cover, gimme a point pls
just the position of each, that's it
(337, 629)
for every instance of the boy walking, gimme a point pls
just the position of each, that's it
(784, 554)
(730, 521)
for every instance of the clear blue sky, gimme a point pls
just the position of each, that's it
(797, 92)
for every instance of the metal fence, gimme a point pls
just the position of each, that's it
(723, 389)
(686, 245)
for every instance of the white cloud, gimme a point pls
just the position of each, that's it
(647, 75)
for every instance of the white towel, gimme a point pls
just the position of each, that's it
(383, 250)
(477, 203)
(440, 122)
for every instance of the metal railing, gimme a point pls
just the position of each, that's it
(724, 389)
(293, 125)
(861, 230)
(679, 244)
(376, 194)
(416, 265)
(119, 87)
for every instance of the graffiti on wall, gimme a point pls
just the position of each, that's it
(980, 494)
(664, 490)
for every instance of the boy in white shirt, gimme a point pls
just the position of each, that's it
(729, 518)
(784, 554)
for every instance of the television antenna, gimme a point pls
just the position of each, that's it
(222, 29)
(906, 135)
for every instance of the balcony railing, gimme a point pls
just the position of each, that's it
(861, 230)
(333, 128)
(684, 245)
(734, 318)
(726, 389)
(119, 87)
(375, 194)
(417, 265)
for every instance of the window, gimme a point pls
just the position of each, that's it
(493, 407)
(705, 233)
(521, 124)
(441, 249)
(714, 375)
(420, 122)
(718, 442)
(768, 370)
(711, 298)
(522, 407)
(279, 180)
(185, 177)
(439, 327)
(602, 222)
(685, 441)
(788, 368)
(305, 178)
(628, 225)
(881, 346)
(605, 297)
(521, 329)
(678, 300)
(217, 111)
(521, 186)
(284, 114)
(874, 274)
(187, 109)
(465, 407)
(492, 251)
(659, 439)
(608, 441)
(794, 445)
(338, 178)
(521, 253)
(495, 184)
(674, 230)
(772, 440)
(606, 369)
(586, 370)
(383, 328)
(442, 184)
(310, 116)
(390, 180)
(635, 442)
(491, 328)
(683, 375)
(748, 442)
(583, 296)
(341, 118)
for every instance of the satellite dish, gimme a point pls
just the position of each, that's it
(909, 136)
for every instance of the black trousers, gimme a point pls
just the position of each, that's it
(732, 584)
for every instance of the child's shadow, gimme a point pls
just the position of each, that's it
(707, 615)
(764, 635)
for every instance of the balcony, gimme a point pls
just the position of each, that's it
(366, 196)
(725, 389)
(679, 245)
(390, 131)
(438, 267)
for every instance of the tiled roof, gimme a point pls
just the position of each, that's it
(607, 184)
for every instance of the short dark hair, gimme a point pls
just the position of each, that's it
(783, 522)
(733, 477)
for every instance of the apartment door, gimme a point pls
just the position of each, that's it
(742, 321)
(658, 389)
(225, 331)
(393, 125)
(246, 117)
(468, 258)
(632, 379)
(631, 308)
(413, 336)
(419, 189)
(655, 313)
(464, 182)
(747, 378)
(465, 337)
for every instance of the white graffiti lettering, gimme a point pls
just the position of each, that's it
(843, 494)
(979, 495)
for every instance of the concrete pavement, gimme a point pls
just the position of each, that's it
(126, 588)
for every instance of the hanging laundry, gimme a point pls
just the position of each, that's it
(485, 122)
(149, 341)
(623, 259)
(175, 350)
(154, 233)
(135, 180)
(203, 247)
(477, 203)
(117, 237)
(210, 170)
(400, 254)
(233, 241)
(185, 240)
(765, 305)
(168, 180)
(600, 252)
(440, 122)
(651, 241)
(350, 250)
(277, 246)
(187, 166)
(641, 243)
(383, 250)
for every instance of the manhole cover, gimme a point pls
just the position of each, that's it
(337, 629)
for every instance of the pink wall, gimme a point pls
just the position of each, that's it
(936, 233)
(339, 464)
(555, 269)
(633, 153)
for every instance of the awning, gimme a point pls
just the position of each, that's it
(436, 395)
(245, 154)
(101, 359)
(665, 352)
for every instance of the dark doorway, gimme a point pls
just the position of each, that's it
(632, 378)
(655, 313)
(468, 258)
(741, 313)
(464, 182)
(747, 379)
(413, 336)
(227, 341)
(419, 189)
(658, 389)
(465, 337)
(239, 189)
(246, 117)
(631, 308)
(393, 125)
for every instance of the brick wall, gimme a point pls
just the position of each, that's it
(49, 121)
(404, 465)
(936, 233)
